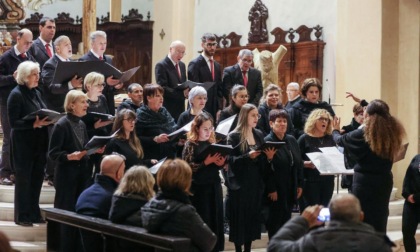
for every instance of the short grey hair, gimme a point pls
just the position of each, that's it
(294, 84)
(245, 52)
(196, 91)
(60, 40)
(132, 86)
(24, 70)
(95, 34)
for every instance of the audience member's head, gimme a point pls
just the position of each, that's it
(135, 93)
(174, 175)
(113, 166)
(137, 180)
(292, 91)
(345, 207)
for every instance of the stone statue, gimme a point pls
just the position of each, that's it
(268, 63)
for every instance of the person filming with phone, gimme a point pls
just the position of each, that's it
(344, 230)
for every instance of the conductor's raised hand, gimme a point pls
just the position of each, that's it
(77, 155)
(350, 94)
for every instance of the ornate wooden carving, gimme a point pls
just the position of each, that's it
(11, 11)
(34, 19)
(258, 15)
(130, 41)
(133, 14)
(304, 56)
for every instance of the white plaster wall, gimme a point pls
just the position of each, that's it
(222, 17)
(75, 8)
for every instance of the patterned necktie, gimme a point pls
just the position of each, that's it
(178, 71)
(245, 78)
(48, 49)
(212, 68)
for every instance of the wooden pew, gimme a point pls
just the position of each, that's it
(106, 228)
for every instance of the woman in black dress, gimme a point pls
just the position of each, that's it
(373, 148)
(154, 123)
(197, 98)
(126, 141)
(239, 98)
(317, 189)
(29, 143)
(284, 173)
(206, 187)
(246, 165)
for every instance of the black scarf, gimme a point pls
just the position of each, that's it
(149, 119)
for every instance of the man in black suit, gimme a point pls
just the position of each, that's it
(9, 62)
(242, 73)
(170, 72)
(55, 93)
(205, 69)
(293, 95)
(98, 48)
(42, 49)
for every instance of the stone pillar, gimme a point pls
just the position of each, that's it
(175, 19)
(89, 22)
(378, 57)
(115, 11)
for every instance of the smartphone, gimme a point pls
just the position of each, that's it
(324, 214)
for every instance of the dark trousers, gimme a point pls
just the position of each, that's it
(278, 213)
(318, 191)
(50, 165)
(410, 220)
(5, 167)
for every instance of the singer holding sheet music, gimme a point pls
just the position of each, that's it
(206, 187)
(373, 148)
(126, 141)
(284, 173)
(154, 123)
(247, 166)
(72, 172)
(317, 189)
(29, 144)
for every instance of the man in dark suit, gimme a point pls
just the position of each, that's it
(98, 48)
(293, 95)
(55, 93)
(42, 49)
(170, 72)
(9, 62)
(205, 69)
(242, 73)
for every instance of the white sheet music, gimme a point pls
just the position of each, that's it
(329, 162)
(224, 126)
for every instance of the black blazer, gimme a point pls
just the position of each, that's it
(38, 51)
(9, 62)
(108, 91)
(233, 75)
(199, 71)
(54, 93)
(167, 76)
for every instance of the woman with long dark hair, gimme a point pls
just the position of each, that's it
(373, 148)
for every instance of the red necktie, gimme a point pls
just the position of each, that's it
(22, 55)
(48, 49)
(245, 78)
(212, 69)
(177, 69)
(100, 58)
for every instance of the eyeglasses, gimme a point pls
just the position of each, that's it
(324, 119)
(243, 96)
(130, 120)
(247, 60)
(256, 116)
(291, 90)
(211, 44)
(99, 85)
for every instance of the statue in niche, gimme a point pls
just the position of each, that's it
(268, 63)
(258, 15)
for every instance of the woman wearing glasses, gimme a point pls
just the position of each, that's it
(126, 141)
(284, 180)
(206, 188)
(317, 189)
(246, 165)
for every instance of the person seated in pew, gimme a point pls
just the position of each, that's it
(126, 141)
(170, 212)
(96, 200)
(135, 98)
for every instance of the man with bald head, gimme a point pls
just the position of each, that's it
(9, 61)
(170, 72)
(345, 232)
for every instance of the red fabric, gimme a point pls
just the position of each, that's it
(245, 78)
(48, 49)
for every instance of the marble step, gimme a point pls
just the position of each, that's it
(396, 207)
(7, 194)
(7, 210)
(29, 246)
(36, 233)
(257, 244)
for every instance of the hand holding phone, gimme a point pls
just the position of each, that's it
(324, 214)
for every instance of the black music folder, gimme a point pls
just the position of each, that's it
(190, 84)
(97, 142)
(52, 115)
(212, 149)
(268, 145)
(103, 117)
(66, 70)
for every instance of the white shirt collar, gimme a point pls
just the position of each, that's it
(17, 51)
(96, 55)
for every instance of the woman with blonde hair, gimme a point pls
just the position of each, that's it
(171, 212)
(134, 190)
(373, 148)
(206, 186)
(317, 189)
(126, 141)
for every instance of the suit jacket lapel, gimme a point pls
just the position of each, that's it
(238, 74)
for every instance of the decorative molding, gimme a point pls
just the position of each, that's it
(258, 15)
(11, 11)
(133, 14)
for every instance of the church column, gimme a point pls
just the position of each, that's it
(115, 11)
(89, 22)
(378, 58)
(174, 19)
